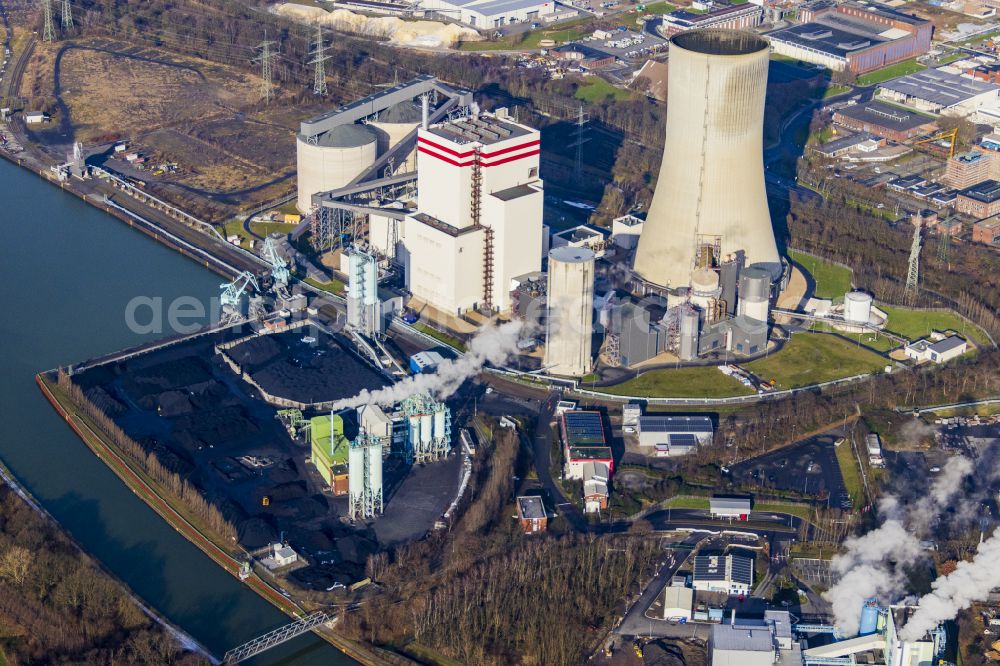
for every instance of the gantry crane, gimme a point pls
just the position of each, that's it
(951, 135)
(232, 293)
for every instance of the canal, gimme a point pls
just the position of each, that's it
(67, 275)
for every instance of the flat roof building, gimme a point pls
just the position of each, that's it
(655, 430)
(531, 513)
(732, 574)
(980, 201)
(987, 231)
(940, 92)
(735, 17)
(484, 14)
(583, 442)
(941, 351)
(677, 602)
(585, 56)
(971, 168)
(884, 120)
(755, 642)
(722, 506)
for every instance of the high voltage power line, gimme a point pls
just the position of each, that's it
(266, 59)
(319, 74)
(67, 15)
(48, 30)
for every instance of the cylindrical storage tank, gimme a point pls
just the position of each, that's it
(426, 428)
(688, 347)
(711, 180)
(370, 280)
(705, 281)
(857, 307)
(869, 618)
(439, 424)
(755, 284)
(395, 123)
(414, 431)
(356, 471)
(332, 160)
(570, 322)
(375, 466)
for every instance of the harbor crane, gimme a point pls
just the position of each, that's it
(279, 267)
(232, 293)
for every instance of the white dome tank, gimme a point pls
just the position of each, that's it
(395, 123)
(332, 160)
(857, 307)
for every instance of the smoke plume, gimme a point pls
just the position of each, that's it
(491, 344)
(969, 582)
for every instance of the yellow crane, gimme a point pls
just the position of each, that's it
(951, 135)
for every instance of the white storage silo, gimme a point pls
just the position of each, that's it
(414, 432)
(426, 429)
(356, 472)
(332, 159)
(375, 473)
(857, 307)
(393, 125)
(570, 323)
(439, 432)
(754, 293)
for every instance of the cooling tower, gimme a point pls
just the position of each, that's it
(711, 180)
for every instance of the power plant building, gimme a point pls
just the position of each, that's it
(570, 322)
(710, 191)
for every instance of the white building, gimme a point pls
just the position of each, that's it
(582, 236)
(737, 508)
(874, 445)
(595, 486)
(625, 231)
(630, 414)
(478, 222)
(940, 92)
(732, 574)
(35, 117)
(491, 13)
(941, 351)
(280, 556)
(753, 642)
(677, 602)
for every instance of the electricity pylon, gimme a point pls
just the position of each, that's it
(266, 59)
(48, 30)
(319, 73)
(67, 15)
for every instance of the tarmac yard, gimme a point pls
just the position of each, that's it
(808, 467)
(203, 421)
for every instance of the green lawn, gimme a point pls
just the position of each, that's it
(803, 511)
(832, 281)
(891, 72)
(597, 89)
(916, 324)
(335, 286)
(835, 89)
(265, 229)
(660, 8)
(568, 32)
(690, 382)
(811, 358)
(688, 503)
(848, 463)
(438, 335)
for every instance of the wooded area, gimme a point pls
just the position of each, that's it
(57, 607)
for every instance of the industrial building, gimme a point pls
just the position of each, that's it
(428, 429)
(329, 449)
(732, 574)
(485, 14)
(583, 56)
(625, 231)
(531, 514)
(884, 120)
(710, 201)
(364, 307)
(570, 321)
(940, 351)
(971, 168)
(733, 508)
(853, 36)
(332, 159)
(937, 91)
(677, 602)
(728, 17)
(595, 486)
(679, 434)
(583, 442)
(980, 201)
(582, 236)
(755, 642)
(987, 231)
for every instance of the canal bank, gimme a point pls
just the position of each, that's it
(68, 276)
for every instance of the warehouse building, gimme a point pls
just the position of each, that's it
(733, 508)
(485, 14)
(884, 120)
(936, 91)
(980, 201)
(854, 36)
(755, 642)
(732, 574)
(677, 602)
(735, 17)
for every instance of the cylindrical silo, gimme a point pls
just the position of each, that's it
(393, 125)
(439, 424)
(356, 471)
(426, 428)
(869, 618)
(414, 432)
(857, 307)
(755, 293)
(705, 288)
(375, 467)
(570, 322)
(711, 181)
(332, 159)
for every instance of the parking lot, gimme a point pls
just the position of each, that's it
(809, 467)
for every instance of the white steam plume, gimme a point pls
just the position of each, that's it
(969, 582)
(491, 344)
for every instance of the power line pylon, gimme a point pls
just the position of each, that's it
(579, 140)
(944, 248)
(67, 15)
(48, 30)
(266, 59)
(913, 274)
(319, 73)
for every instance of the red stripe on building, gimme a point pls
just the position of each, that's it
(444, 148)
(421, 149)
(511, 149)
(502, 151)
(511, 159)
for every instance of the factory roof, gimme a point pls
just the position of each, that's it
(679, 424)
(347, 136)
(885, 115)
(987, 191)
(938, 87)
(686, 18)
(515, 192)
(827, 39)
(588, 52)
(531, 507)
(714, 567)
(493, 7)
(747, 324)
(582, 428)
(483, 129)
(743, 636)
(886, 11)
(841, 144)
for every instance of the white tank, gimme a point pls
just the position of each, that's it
(688, 349)
(439, 424)
(426, 428)
(570, 323)
(857, 307)
(711, 179)
(375, 467)
(332, 160)
(414, 431)
(394, 124)
(356, 471)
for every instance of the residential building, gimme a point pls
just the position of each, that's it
(941, 351)
(531, 513)
(733, 508)
(980, 201)
(884, 120)
(732, 574)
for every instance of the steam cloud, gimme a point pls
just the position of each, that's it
(491, 344)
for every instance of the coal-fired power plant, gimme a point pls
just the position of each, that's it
(711, 185)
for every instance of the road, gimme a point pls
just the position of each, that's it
(542, 447)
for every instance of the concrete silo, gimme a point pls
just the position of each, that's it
(711, 183)
(393, 125)
(332, 159)
(570, 323)
(755, 293)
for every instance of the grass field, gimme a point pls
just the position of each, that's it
(688, 503)
(835, 89)
(696, 382)
(568, 32)
(916, 324)
(811, 358)
(597, 89)
(848, 463)
(891, 72)
(335, 286)
(438, 335)
(660, 8)
(831, 280)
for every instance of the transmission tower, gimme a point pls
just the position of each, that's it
(581, 121)
(944, 247)
(266, 59)
(48, 30)
(67, 15)
(319, 73)
(913, 274)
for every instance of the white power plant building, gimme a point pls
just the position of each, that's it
(710, 191)
(332, 159)
(478, 222)
(364, 469)
(570, 321)
(364, 309)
